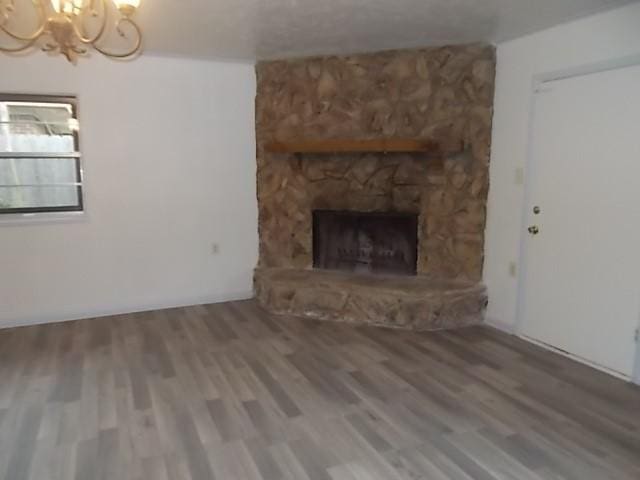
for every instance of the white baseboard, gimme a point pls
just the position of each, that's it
(576, 358)
(110, 311)
(500, 325)
(511, 330)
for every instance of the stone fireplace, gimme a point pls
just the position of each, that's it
(388, 238)
(365, 242)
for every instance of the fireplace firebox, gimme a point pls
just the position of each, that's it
(365, 242)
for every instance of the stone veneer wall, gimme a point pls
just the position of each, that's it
(444, 94)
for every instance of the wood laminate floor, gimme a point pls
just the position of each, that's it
(228, 392)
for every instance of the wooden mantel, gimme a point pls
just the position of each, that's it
(386, 145)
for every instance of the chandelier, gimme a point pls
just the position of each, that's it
(69, 27)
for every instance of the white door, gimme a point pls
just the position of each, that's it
(581, 290)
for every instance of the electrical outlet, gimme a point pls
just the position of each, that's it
(215, 248)
(513, 269)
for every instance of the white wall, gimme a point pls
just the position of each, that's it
(601, 38)
(169, 159)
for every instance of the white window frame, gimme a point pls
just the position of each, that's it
(45, 213)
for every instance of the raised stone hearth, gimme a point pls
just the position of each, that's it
(417, 303)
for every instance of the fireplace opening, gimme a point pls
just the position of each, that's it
(381, 243)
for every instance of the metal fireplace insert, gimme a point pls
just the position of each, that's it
(365, 242)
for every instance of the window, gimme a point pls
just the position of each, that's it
(39, 155)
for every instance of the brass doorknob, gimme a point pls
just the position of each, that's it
(533, 230)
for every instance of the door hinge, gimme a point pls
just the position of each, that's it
(636, 336)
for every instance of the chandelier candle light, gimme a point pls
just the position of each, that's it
(68, 27)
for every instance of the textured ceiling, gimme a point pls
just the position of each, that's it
(264, 29)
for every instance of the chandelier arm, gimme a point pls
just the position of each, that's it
(98, 36)
(129, 53)
(26, 46)
(34, 36)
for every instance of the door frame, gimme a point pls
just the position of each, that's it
(538, 82)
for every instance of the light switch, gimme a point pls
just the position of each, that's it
(519, 177)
